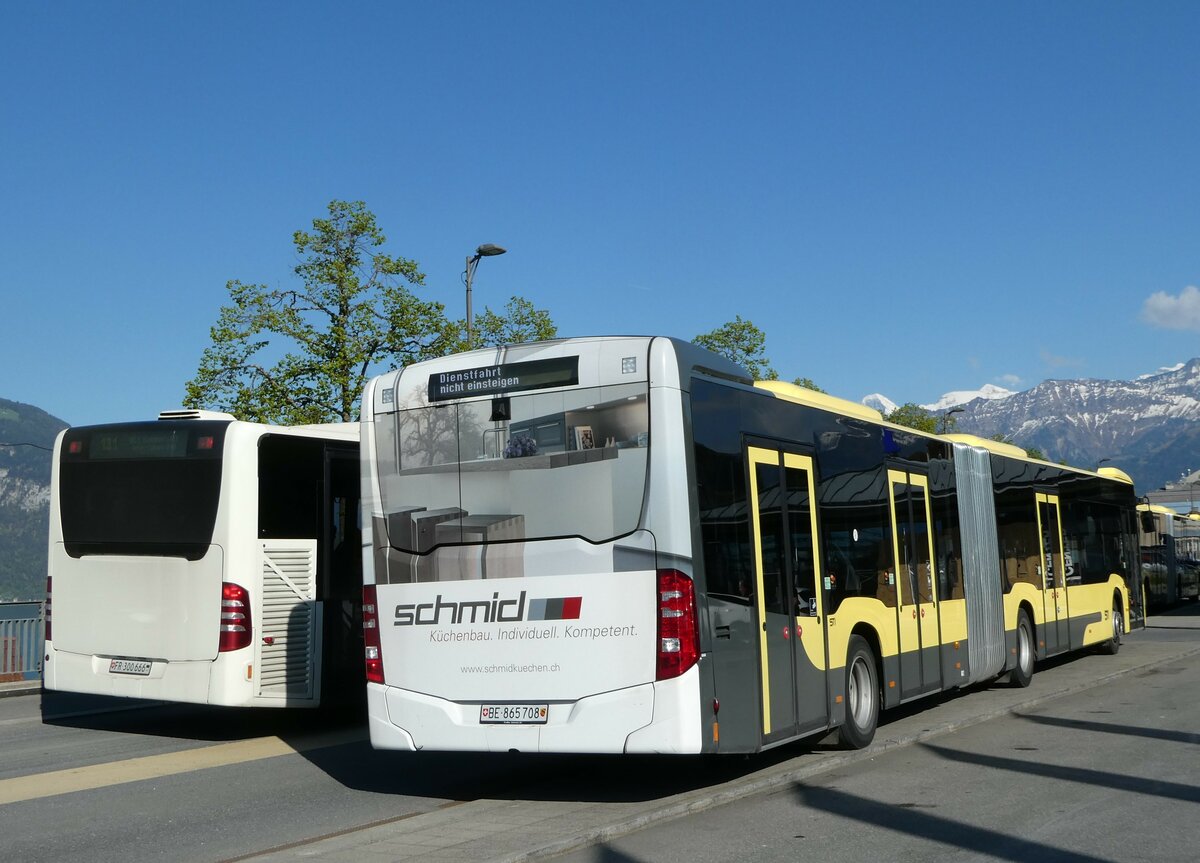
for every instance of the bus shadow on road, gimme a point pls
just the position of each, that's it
(908, 820)
(191, 722)
(911, 821)
(1113, 728)
(543, 778)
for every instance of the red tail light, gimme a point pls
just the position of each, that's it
(678, 637)
(236, 629)
(371, 651)
(49, 579)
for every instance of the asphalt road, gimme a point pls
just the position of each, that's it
(1082, 774)
(1111, 773)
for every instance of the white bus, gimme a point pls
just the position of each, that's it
(627, 545)
(201, 559)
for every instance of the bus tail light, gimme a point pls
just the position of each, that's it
(236, 629)
(49, 579)
(371, 650)
(678, 636)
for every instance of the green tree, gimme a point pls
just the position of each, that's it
(916, 417)
(353, 313)
(741, 342)
(521, 322)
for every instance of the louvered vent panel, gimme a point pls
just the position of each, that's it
(287, 637)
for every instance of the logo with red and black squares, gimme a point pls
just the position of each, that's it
(560, 608)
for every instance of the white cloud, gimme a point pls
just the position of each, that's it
(1173, 313)
(1057, 362)
(1011, 381)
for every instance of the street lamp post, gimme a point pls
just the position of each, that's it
(946, 418)
(487, 250)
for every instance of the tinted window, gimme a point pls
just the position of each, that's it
(721, 492)
(141, 488)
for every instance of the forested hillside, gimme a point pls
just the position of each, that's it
(26, 438)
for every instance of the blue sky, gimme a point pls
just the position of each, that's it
(908, 198)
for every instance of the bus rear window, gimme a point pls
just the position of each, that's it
(141, 488)
(530, 466)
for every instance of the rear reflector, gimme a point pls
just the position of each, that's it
(236, 628)
(371, 650)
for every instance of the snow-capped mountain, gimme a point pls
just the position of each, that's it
(1149, 427)
(880, 402)
(1163, 370)
(962, 397)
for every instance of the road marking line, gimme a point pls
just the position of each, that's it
(167, 764)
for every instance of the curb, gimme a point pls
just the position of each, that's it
(21, 687)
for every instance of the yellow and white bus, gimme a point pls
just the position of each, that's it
(201, 559)
(1169, 573)
(625, 544)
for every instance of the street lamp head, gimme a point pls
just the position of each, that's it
(487, 250)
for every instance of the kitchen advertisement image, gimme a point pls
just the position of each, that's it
(553, 637)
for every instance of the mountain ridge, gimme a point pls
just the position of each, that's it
(1149, 426)
(27, 434)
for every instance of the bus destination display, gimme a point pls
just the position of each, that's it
(504, 378)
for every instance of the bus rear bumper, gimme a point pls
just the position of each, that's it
(652, 717)
(166, 681)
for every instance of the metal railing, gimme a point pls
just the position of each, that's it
(21, 641)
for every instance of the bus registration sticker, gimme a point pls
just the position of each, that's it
(513, 714)
(129, 666)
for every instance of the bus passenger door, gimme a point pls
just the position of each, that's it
(919, 627)
(1054, 586)
(792, 647)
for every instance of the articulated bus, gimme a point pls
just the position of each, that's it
(1169, 574)
(201, 559)
(625, 544)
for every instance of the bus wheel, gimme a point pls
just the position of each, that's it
(1118, 631)
(1023, 672)
(862, 696)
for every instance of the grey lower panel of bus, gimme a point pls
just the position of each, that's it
(980, 561)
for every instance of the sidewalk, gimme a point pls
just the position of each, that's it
(507, 831)
(20, 687)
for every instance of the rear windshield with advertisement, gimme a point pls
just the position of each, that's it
(529, 465)
(141, 488)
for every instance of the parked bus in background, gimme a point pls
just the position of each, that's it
(1169, 574)
(206, 560)
(625, 544)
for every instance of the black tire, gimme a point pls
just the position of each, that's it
(1111, 646)
(1022, 672)
(862, 696)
